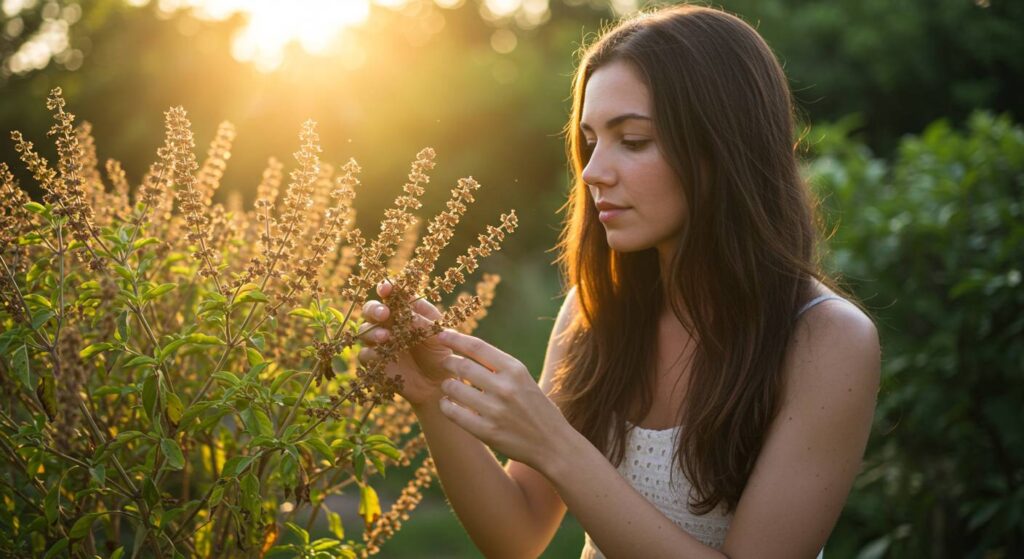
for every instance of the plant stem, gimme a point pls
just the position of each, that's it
(199, 506)
(28, 500)
(60, 282)
(123, 491)
(138, 226)
(325, 416)
(298, 402)
(143, 507)
(24, 304)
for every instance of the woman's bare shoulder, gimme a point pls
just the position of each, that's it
(833, 331)
(836, 313)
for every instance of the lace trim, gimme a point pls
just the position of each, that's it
(649, 467)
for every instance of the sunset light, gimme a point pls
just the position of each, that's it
(317, 26)
(271, 26)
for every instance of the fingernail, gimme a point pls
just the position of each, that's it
(443, 336)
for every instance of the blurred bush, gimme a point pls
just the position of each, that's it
(876, 58)
(933, 243)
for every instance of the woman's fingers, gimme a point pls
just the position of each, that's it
(384, 288)
(367, 355)
(372, 334)
(424, 308)
(375, 311)
(421, 322)
(466, 396)
(470, 370)
(479, 350)
(476, 425)
(375, 315)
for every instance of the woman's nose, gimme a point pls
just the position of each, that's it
(598, 171)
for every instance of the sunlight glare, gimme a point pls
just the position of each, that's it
(272, 25)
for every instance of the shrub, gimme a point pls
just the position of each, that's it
(933, 242)
(179, 375)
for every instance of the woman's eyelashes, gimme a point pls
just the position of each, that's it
(630, 144)
(635, 145)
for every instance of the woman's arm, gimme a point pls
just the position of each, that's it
(800, 482)
(814, 448)
(501, 410)
(505, 415)
(507, 512)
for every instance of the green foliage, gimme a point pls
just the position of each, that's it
(900, 65)
(136, 432)
(933, 243)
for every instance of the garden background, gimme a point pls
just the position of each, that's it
(911, 134)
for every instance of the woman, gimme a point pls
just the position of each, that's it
(704, 393)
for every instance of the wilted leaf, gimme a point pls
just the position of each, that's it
(369, 504)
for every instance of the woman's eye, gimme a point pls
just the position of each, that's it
(635, 145)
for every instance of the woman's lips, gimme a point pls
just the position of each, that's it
(607, 215)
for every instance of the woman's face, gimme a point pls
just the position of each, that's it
(639, 196)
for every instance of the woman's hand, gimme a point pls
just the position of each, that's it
(419, 366)
(502, 405)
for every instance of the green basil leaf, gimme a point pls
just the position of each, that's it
(170, 448)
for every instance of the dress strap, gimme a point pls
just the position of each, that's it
(817, 300)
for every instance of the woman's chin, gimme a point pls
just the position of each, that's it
(622, 243)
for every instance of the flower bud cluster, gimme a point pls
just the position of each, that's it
(391, 522)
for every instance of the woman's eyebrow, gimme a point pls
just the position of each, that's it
(615, 121)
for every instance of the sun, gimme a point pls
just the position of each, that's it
(271, 25)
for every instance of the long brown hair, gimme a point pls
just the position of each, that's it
(745, 263)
